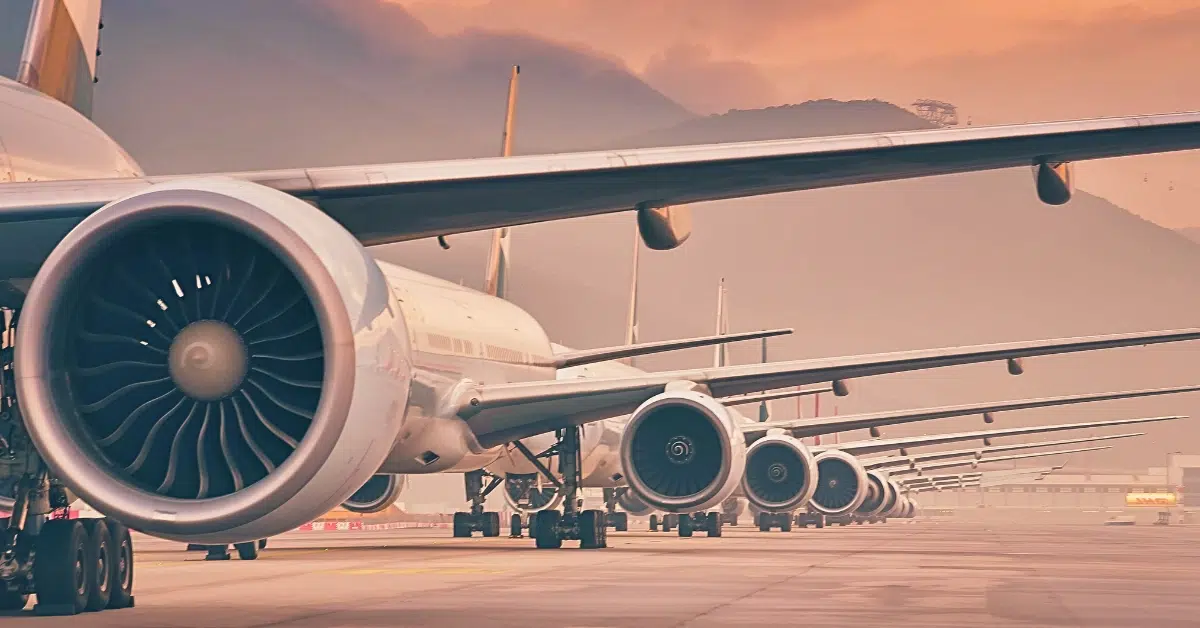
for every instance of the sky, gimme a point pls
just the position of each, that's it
(999, 61)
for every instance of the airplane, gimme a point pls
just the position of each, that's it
(217, 357)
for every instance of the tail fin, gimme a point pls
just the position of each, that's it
(496, 281)
(60, 52)
(764, 413)
(631, 321)
(721, 352)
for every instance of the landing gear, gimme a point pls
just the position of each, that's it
(669, 521)
(807, 518)
(467, 523)
(72, 565)
(552, 527)
(618, 521)
(515, 524)
(730, 508)
(709, 523)
(768, 521)
(654, 523)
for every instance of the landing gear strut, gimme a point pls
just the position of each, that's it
(551, 527)
(467, 523)
(618, 521)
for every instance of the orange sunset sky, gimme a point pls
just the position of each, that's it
(998, 60)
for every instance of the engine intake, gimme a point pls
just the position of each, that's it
(212, 361)
(378, 493)
(841, 484)
(682, 452)
(781, 474)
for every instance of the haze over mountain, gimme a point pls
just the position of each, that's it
(222, 85)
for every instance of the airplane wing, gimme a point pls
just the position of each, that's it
(828, 425)
(591, 356)
(889, 463)
(958, 463)
(502, 413)
(384, 203)
(876, 445)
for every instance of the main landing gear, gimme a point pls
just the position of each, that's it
(550, 527)
(768, 521)
(618, 521)
(707, 522)
(805, 518)
(467, 523)
(246, 551)
(73, 565)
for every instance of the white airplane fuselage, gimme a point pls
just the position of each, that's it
(455, 333)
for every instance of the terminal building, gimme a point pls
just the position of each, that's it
(1103, 490)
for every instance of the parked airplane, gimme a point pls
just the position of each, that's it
(217, 358)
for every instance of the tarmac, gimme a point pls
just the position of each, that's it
(924, 573)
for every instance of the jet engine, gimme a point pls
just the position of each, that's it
(781, 474)
(212, 361)
(880, 495)
(523, 493)
(664, 228)
(841, 484)
(377, 494)
(632, 504)
(682, 452)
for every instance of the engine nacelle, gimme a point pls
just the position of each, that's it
(633, 504)
(212, 361)
(891, 503)
(682, 452)
(664, 228)
(781, 474)
(525, 494)
(1055, 183)
(841, 484)
(880, 498)
(378, 493)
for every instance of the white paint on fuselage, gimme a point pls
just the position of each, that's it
(42, 139)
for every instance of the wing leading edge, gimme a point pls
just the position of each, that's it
(502, 413)
(384, 203)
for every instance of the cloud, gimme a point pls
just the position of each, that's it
(689, 74)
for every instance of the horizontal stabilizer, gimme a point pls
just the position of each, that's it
(829, 425)
(591, 356)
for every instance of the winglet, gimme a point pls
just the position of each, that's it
(590, 356)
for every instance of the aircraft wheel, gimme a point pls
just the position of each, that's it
(491, 524)
(545, 536)
(121, 594)
(685, 526)
(262, 544)
(462, 527)
(592, 529)
(654, 523)
(247, 551)
(714, 525)
(62, 569)
(514, 526)
(100, 550)
(785, 525)
(12, 601)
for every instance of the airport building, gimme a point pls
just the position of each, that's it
(1087, 489)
